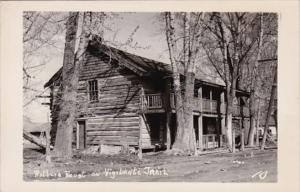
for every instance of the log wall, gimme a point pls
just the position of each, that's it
(114, 118)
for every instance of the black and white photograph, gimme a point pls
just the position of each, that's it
(150, 96)
(155, 96)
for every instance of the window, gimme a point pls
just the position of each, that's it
(93, 90)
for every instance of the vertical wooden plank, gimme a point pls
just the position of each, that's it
(223, 125)
(200, 97)
(168, 107)
(210, 100)
(77, 135)
(222, 102)
(242, 138)
(233, 140)
(48, 139)
(140, 154)
(200, 131)
(168, 122)
(161, 130)
(218, 123)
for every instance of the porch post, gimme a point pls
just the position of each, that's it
(77, 135)
(200, 97)
(222, 104)
(218, 123)
(210, 100)
(161, 131)
(200, 131)
(168, 112)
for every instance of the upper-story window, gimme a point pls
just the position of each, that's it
(93, 90)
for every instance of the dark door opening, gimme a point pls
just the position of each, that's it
(196, 127)
(81, 140)
(210, 125)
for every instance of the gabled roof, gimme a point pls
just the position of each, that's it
(140, 65)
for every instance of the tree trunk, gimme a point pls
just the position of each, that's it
(253, 110)
(70, 76)
(272, 98)
(228, 122)
(257, 124)
(33, 139)
(180, 140)
(188, 111)
(242, 124)
(185, 140)
(176, 81)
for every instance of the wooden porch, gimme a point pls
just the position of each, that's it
(154, 103)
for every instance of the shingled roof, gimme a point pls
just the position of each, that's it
(140, 65)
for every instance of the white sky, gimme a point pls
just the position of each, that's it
(148, 35)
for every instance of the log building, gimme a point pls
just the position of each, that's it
(125, 99)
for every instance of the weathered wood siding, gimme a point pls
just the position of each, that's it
(146, 139)
(114, 117)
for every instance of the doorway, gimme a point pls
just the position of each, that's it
(81, 135)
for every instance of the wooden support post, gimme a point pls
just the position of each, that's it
(222, 102)
(223, 128)
(200, 97)
(168, 109)
(233, 140)
(140, 152)
(77, 135)
(168, 131)
(161, 130)
(210, 100)
(142, 97)
(242, 138)
(200, 131)
(48, 139)
(218, 124)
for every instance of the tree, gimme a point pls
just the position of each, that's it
(229, 43)
(270, 107)
(80, 28)
(70, 74)
(183, 33)
(41, 31)
(258, 76)
(253, 85)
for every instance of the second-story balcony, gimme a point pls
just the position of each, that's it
(155, 102)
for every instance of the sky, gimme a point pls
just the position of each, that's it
(148, 36)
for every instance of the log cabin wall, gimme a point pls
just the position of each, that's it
(114, 118)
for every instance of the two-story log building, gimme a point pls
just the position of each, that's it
(124, 99)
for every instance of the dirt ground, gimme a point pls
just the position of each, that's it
(252, 165)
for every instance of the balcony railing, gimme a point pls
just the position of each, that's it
(209, 106)
(155, 101)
